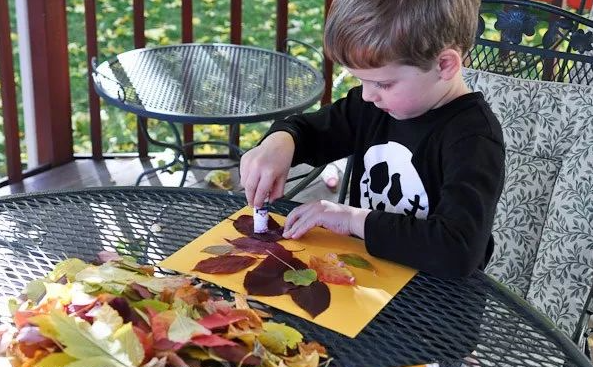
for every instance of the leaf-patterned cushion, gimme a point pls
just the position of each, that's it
(544, 222)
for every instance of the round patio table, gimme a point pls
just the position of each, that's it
(206, 84)
(429, 320)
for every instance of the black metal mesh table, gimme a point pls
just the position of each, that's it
(206, 84)
(429, 320)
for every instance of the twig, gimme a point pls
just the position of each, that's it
(279, 259)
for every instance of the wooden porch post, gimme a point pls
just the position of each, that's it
(51, 81)
(8, 99)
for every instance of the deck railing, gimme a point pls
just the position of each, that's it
(48, 26)
(47, 22)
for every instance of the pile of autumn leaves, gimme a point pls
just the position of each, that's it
(118, 314)
(280, 272)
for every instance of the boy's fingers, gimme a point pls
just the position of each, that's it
(262, 191)
(277, 190)
(250, 185)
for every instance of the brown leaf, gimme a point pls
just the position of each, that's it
(254, 245)
(313, 298)
(244, 224)
(267, 279)
(224, 264)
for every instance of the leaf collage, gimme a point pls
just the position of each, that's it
(118, 314)
(280, 272)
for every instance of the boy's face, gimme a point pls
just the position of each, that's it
(402, 91)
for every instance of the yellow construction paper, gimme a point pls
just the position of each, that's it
(351, 307)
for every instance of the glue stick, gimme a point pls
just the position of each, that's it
(260, 218)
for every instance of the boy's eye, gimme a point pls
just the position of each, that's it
(382, 85)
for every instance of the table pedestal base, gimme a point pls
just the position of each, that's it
(180, 150)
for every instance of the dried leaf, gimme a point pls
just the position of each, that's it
(300, 277)
(183, 328)
(331, 270)
(278, 337)
(236, 354)
(267, 279)
(357, 261)
(220, 179)
(224, 264)
(218, 249)
(314, 298)
(255, 246)
(244, 224)
(212, 341)
(218, 320)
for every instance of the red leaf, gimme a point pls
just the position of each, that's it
(255, 246)
(212, 341)
(225, 264)
(217, 320)
(331, 270)
(235, 354)
(267, 279)
(142, 291)
(313, 298)
(244, 224)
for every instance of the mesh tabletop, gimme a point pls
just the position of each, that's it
(429, 320)
(208, 83)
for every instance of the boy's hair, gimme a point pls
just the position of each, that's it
(364, 34)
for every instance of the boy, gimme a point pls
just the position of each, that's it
(428, 154)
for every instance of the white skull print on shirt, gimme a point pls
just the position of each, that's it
(391, 183)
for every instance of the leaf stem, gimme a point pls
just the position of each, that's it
(279, 259)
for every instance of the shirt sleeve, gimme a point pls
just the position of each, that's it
(325, 135)
(452, 241)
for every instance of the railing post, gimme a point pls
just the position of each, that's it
(236, 28)
(51, 81)
(187, 36)
(90, 16)
(329, 67)
(281, 24)
(9, 109)
(140, 42)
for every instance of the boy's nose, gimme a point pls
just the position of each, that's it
(369, 96)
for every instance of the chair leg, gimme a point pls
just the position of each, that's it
(304, 182)
(345, 181)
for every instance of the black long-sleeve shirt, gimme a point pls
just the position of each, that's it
(432, 181)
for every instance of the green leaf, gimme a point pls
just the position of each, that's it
(300, 276)
(46, 326)
(95, 362)
(55, 360)
(107, 273)
(218, 249)
(68, 268)
(156, 305)
(183, 328)
(35, 290)
(357, 261)
(80, 343)
(277, 337)
(158, 285)
(130, 343)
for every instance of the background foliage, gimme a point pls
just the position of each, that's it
(211, 21)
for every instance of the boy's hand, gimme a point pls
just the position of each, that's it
(264, 169)
(338, 218)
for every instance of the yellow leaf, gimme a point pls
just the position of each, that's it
(46, 326)
(277, 337)
(55, 360)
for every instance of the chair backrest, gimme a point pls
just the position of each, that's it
(533, 40)
(544, 222)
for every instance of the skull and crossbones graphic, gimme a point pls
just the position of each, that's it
(391, 183)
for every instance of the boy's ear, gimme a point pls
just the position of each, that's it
(448, 63)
